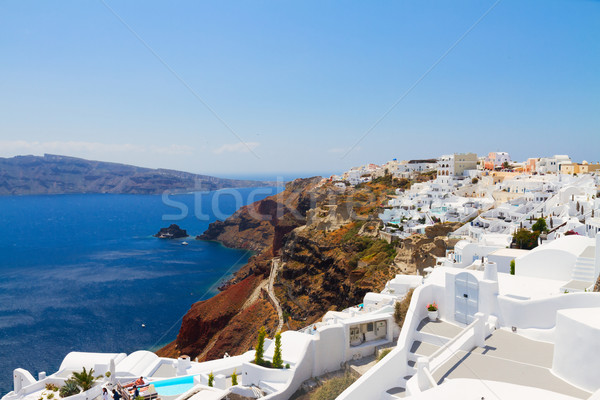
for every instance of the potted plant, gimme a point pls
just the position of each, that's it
(432, 311)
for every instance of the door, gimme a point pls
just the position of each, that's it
(466, 297)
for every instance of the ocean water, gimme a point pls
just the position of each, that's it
(83, 272)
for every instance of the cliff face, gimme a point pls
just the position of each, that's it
(420, 251)
(53, 174)
(229, 321)
(330, 256)
(262, 225)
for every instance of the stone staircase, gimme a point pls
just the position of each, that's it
(428, 338)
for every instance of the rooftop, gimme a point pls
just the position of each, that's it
(510, 358)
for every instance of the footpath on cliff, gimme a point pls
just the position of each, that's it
(317, 249)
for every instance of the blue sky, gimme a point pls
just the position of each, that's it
(295, 85)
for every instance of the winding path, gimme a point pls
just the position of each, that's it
(275, 263)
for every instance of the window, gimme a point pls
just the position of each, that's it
(370, 327)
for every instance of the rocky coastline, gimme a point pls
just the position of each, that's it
(329, 255)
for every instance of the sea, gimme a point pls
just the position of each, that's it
(84, 273)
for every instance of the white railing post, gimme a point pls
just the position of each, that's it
(422, 378)
(479, 330)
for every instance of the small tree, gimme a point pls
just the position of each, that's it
(512, 267)
(525, 239)
(211, 379)
(577, 207)
(260, 346)
(84, 379)
(277, 361)
(540, 226)
(234, 378)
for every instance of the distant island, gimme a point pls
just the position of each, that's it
(55, 174)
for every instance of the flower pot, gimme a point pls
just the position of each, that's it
(433, 315)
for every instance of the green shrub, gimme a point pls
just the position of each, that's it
(401, 308)
(50, 396)
(69, 388)
(211, 379)
(234, 378)
(332, 388)
(525, 239)
(382, 354)
(51, 386)
(512, 267)
(287, 366)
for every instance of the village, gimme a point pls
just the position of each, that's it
(510, 310)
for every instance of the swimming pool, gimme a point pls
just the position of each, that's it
(175, 386)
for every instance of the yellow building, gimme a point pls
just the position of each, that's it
(583, 168)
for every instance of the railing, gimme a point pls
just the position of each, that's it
(429, 376)
(471, 336)
(448, 347)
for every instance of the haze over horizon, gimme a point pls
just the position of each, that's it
(241, 89)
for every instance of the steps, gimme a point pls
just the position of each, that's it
(271, 387)
(428, 338)
(584, 270)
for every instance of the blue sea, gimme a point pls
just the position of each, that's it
(83, 272)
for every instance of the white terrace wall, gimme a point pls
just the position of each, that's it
(577, 346)
(549, 264)
(541, 313)
(387, 373)
(330, 349)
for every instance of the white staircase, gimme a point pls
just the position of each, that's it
(584, 270)
(429, 337)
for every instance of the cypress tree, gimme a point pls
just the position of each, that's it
(260, 346)
(277, 360)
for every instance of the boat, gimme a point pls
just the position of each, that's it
(184, 243)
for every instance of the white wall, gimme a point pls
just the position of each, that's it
(548, 264)
(388, 372)
(541, 313)
(329, 349)
(577, 346)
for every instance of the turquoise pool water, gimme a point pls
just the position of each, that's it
(175, 386)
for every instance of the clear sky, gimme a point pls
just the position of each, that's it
(294, 85)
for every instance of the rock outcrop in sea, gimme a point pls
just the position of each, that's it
(172, 232)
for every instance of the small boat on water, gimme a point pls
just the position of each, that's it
(184, 243)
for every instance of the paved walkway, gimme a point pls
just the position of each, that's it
(508, 357)
(275, 263)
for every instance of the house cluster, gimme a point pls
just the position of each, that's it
(487, 321)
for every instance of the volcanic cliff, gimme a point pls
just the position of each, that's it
(328, 253)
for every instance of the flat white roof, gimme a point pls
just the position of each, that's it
(514, 253)
(574, 244)
(511, 285)
(76, 360)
